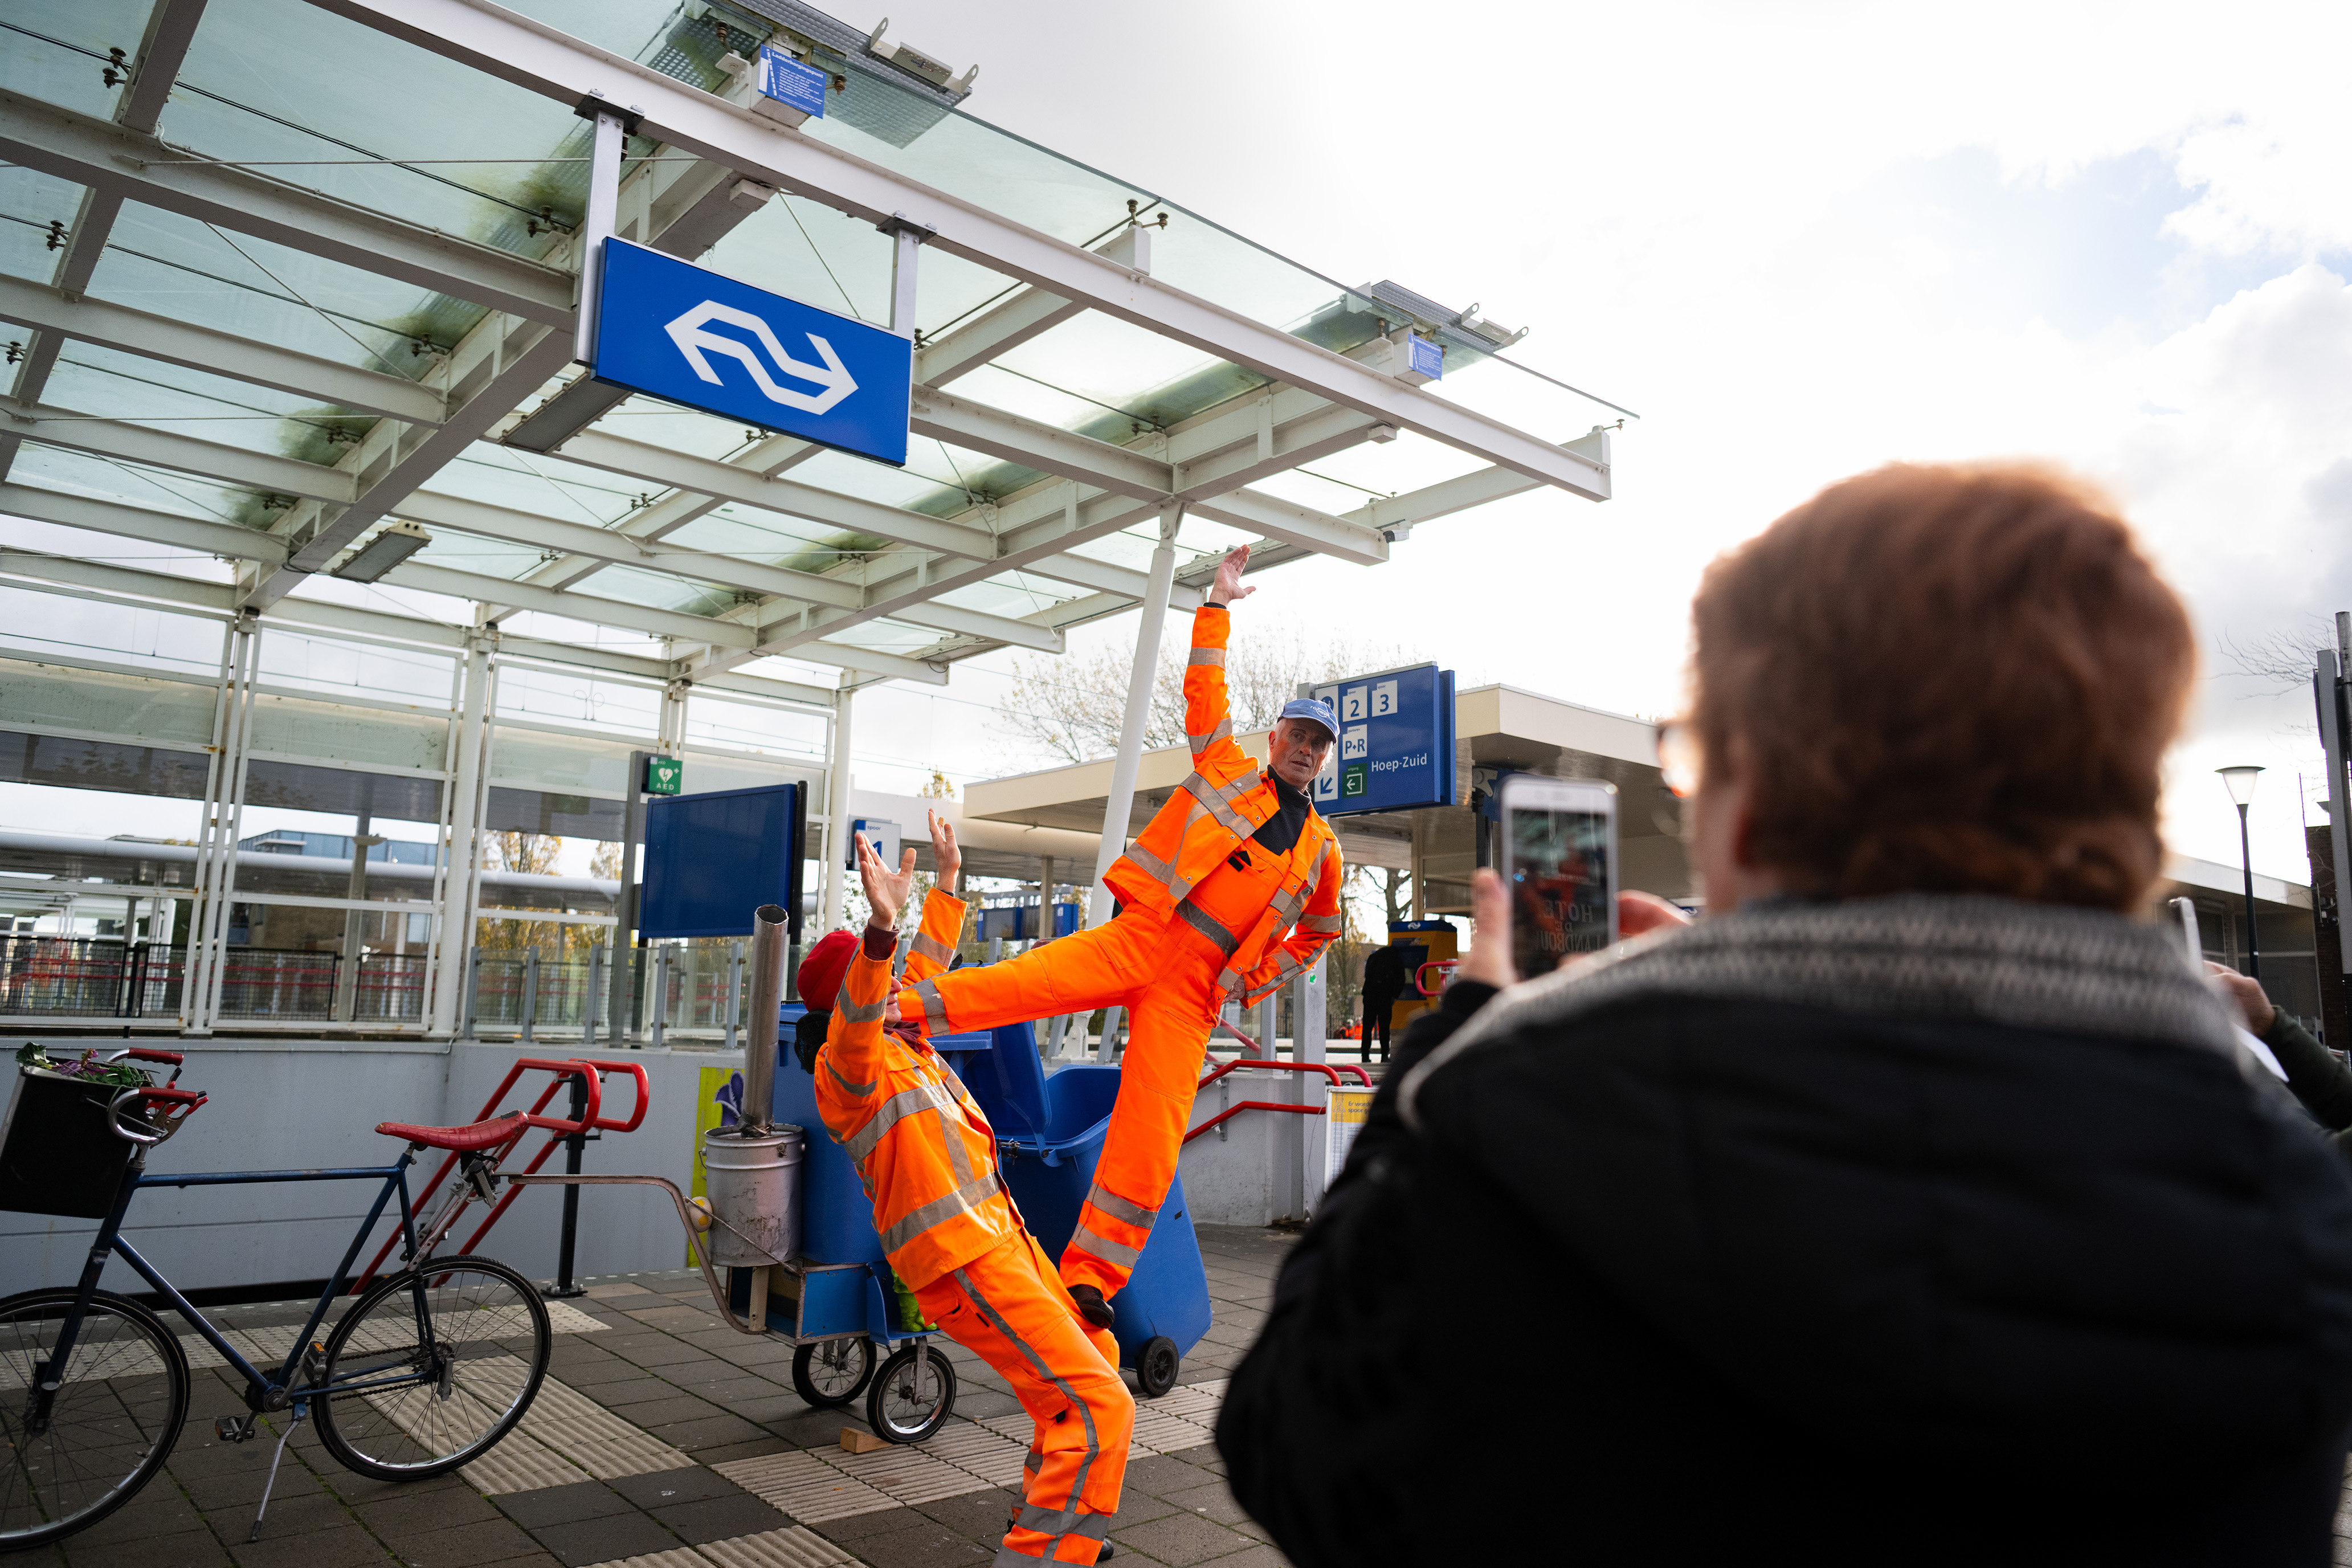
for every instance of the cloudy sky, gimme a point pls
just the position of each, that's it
(1801, 240)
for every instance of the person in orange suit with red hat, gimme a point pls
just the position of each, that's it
(1232, 889)
(927, 1157)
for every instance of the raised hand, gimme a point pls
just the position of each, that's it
(1228, 586)
(886, 890)
(944, 853)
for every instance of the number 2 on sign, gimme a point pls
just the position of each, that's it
(1352, 705)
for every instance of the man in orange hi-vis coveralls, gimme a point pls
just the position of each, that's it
(1232, 889)
(927, 1157)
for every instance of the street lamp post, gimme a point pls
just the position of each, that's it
(2241, 782)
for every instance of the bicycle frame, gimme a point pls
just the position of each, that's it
(263, 1390)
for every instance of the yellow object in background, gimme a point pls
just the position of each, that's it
(720, 1088)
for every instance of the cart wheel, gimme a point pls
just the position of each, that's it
(829, 1373)
(1155, 1366)
(908, 1402)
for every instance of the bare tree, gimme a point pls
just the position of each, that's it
(2283, 658)
(1074, 706)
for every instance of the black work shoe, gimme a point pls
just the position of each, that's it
(1091, 1305)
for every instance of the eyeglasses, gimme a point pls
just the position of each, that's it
(1679, 758)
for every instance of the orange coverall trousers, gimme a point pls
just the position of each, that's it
(1164, 972)
(1008, 1308)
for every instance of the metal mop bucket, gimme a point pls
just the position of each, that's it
(754, 1184)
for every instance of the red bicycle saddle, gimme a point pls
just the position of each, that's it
(467, 1139)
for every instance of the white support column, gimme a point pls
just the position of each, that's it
(461, 823)
(1139, 681)
(596, 227)
(215, 877)
(906, 248)
(672, 737)
(1309, 998)
(836, 811)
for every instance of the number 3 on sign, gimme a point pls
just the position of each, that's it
(1384, 698)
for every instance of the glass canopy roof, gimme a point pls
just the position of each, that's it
(316, 367)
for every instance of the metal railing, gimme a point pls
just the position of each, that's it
(96, 977)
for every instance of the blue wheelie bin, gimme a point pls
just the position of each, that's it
(1049, 1133)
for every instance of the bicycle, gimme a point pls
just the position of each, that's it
(427, 1370)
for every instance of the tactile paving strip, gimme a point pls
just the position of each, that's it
(794, 1548)
(991, 1456)
(520, 1465)
(592, 1437)
(804, 1486)
(905, 1473)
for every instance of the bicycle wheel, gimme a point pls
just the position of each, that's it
(407, 1402)
(117, 1411)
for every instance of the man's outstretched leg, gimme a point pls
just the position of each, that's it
(1008, 1308)
(1158, 1077)
(1075, 974)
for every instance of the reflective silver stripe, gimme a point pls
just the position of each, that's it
(895, 1109)
(928, 992)
(1159, 870)
(1089, 1239)
(1120, 1209)
(1324, 925)
(871, 1013)
(953, 1129)
(1203, 742)
(1228, 981)
(1085, 1414)
(963, 1200)
(1214, 802)
(1215, 655)
(852, 1088)
(1063, 1522)
(1193, 915)
(926, 945)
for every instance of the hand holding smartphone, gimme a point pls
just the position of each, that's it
(1558, 866)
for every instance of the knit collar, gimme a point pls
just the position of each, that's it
(1917, 956)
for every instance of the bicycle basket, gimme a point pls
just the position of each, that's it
(59, 1154)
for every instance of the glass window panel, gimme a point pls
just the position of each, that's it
(386, 598)
(177, 266)
(32, 621)
(675, 429)
(529, 482)
(577, 697)
(751, 727)
(544, 627)
(90, 379)
(630, 585)
(1016, 595)
(760, 535)
(110, 478)
(360, 94)
(312, 661)
(30, 202)
(491, 557)
(59, 50)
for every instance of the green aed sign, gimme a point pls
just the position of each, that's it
(664, 775)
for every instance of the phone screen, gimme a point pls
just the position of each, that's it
(1559, 885)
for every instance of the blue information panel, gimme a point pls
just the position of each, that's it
(686, 334)
(793, 83)
(712, 859)
(1396, 742)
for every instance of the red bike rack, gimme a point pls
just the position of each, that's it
(1329, 1069)
(589, 1075)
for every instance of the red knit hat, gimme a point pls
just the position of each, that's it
(821, 971)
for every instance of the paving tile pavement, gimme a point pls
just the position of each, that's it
(663, 1439)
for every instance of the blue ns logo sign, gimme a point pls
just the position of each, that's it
(693, 337)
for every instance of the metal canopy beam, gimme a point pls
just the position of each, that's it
(137, 167)
(505, 359)
(183, 454)
(545, 61)
(726, 482)
(138, 522)
(47, 310)
(1034, 444)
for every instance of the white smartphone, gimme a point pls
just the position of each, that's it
(1560, 866)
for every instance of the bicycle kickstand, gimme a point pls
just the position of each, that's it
(300, 1410)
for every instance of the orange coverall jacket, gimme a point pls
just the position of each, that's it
(1220, 804)
(926, 1153)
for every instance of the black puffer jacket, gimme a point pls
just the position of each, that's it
(1903, 1231)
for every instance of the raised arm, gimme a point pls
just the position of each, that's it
(852, 1042)
(1208, 713)
(933, 949)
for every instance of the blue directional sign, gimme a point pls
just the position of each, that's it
(686, 335)
(1396, 742)
(793, 83)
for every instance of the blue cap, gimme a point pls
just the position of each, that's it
(1315, 711)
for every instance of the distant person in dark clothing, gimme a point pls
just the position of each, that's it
(2317, 1076)
(1384, 986)
(1919, 1206)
